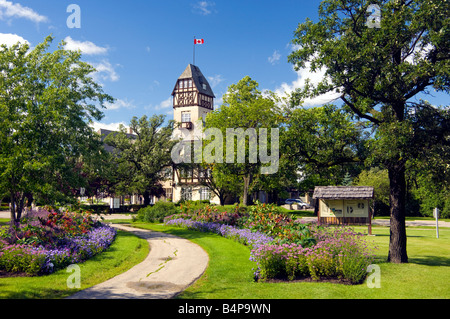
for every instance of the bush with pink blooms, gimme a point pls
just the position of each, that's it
(340, 253)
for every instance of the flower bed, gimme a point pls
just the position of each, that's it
(47, 241)
(339, 253)
(284, 249)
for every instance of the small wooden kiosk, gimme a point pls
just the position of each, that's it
(344, 205)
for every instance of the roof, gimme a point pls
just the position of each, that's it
(343, 192)
(193, 72)
(104, 133)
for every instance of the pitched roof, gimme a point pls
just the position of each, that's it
(193, 72)
(104, 133)
(343, 192)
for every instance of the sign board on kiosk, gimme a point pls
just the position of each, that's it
(344, 205)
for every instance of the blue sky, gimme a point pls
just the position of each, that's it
(141, 47)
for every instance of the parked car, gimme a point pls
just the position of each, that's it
(296, 201)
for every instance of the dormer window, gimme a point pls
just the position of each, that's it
(204, 86)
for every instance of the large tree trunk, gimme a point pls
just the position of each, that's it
(17, 205)
(397, 198)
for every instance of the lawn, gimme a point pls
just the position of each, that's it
(126, 251)
(230, 274)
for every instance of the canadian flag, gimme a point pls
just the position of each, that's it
(199, 41)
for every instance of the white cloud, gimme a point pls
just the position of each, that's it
(204, 7)
(419, 53)
(215, 80)
(274, 58)
(164, 104)
(120, 104)
(10, 39)
(314, 78)
(16, 10)
(105, 71)
(110, 126)
(86, 47)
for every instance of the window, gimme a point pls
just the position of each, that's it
(169, 192)
(186, 193)
(190, 83)
(186, 172)
(185, 117)
(181, 84)
(204, 173)
(166, 173)
(205, 193)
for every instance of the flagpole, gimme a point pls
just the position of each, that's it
(194, 52)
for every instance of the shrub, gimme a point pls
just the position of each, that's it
(22, 259)
(211, 214)
(267, 219)
(157, 212)
(276, 261)
(340, 253)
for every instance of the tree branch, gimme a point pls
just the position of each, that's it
(358, 112)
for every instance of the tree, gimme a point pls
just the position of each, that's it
(244, 108)
(141, 158)
(325, 144)
(379, 180)
(47, 100)
(378, 72)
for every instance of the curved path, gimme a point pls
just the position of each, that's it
(172, 265)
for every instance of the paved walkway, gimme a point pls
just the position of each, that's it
(172, 265)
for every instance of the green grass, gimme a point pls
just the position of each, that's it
(230, 275)
(126, 251)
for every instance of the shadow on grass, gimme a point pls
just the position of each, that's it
(430, 261)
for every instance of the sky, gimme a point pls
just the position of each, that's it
(141, 47)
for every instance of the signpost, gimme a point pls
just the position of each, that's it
(436, 215)
(114, 203)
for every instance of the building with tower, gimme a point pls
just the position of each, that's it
(193, 98)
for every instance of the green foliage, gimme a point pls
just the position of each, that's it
(379, 180)
(245, 107)
(325, 143)
(47, 100)
(157, 212)
(141, 158)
